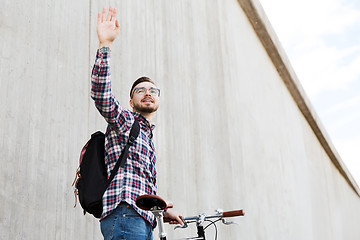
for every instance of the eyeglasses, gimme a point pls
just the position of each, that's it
(143, 90)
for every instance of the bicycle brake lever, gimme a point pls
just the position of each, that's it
(182, 226)
(228, 222)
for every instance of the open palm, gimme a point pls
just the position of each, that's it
(108, 27)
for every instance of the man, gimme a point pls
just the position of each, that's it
(121, 218)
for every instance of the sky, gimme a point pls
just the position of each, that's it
(322, 40)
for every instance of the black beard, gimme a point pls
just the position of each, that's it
(140, 109)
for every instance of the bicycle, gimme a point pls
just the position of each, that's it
(157, 205)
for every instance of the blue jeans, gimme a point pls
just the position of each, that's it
(125, 223)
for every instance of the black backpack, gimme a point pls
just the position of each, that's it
(91, 179)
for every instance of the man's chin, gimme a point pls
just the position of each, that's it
(145, 109)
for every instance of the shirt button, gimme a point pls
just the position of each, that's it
(124, 215)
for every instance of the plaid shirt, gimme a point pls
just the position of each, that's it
(138, 177)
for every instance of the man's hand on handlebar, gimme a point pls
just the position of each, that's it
(174, 216)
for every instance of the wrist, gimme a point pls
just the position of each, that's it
(105, 44)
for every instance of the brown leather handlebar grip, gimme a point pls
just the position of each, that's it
(167, 220)
(234, 213)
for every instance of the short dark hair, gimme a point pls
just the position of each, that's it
(138, 81)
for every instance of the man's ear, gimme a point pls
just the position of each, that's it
(131, 103)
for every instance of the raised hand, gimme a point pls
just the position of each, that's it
(108, 27)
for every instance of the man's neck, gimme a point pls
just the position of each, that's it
(148, 116)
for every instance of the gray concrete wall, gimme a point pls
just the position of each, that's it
(229, 132)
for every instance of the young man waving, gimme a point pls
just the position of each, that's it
(121, 218)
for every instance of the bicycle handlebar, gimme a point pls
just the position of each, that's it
(157, 206)
(234, 213)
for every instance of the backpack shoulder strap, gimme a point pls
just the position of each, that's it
(134, 132)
